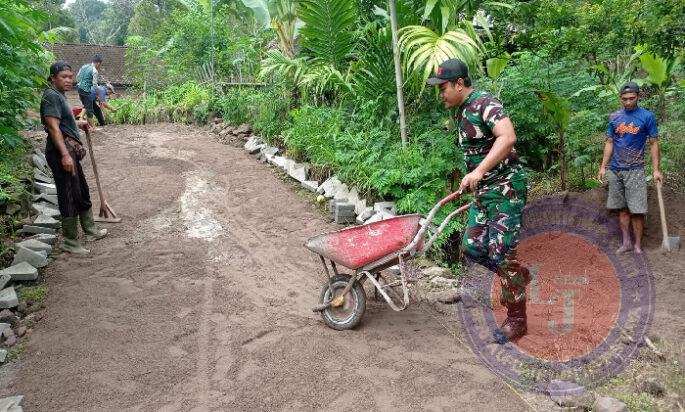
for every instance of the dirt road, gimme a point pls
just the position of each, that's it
(200, 301)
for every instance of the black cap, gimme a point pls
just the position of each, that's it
(630, 87)
(451, 69)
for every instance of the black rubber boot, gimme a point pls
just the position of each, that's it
(515, 325)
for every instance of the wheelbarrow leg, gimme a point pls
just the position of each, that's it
(375, 290)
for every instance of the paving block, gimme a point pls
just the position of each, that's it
(387, 206)
(34, 230)
(378, 216)
(278, 161)
(47, 221)
(311, 185)
(269, 151)
(47, 188)
(42, 177)
(8, 299)
(36, 245)
(44, 208)
(299, 172)
(37, 259)
(288, 164)
(20, 271)
(344, 213)
(342, 192)
(44, 238)
(4, 278)
(366, 214)
(360, 206)
(3, 355)
(6, 404)
(254, 145)
(52, 199)
(40, 162)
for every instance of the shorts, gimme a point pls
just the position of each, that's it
(627, 189)
(87, 102)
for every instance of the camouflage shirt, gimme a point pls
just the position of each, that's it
(476, 118)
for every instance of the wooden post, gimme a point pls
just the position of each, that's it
(398, 72)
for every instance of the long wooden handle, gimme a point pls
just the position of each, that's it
(95, 168)
(662, 213)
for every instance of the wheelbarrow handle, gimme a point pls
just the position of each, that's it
(424, 226)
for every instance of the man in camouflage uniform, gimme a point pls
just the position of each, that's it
(487, 138)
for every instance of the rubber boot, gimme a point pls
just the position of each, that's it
(515, 325)
(70, 232)
(88, 225)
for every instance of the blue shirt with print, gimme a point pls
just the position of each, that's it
(630, 131)
(103, 93)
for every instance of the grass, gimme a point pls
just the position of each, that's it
(14, 353)
(35, 294)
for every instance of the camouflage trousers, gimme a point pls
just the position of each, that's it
(492, 233)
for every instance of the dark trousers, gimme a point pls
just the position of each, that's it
(98, 113)
(87, 102)
(73, 195)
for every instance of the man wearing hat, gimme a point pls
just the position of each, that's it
(629, 130)
(487, 138)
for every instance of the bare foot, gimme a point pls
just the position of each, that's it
(638, 250)
(624, 248)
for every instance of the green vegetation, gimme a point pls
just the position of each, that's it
(36, 294)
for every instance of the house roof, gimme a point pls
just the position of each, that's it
(114, 66)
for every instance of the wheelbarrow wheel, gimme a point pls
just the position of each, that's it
(350, 313)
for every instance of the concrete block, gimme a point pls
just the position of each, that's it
(36, 245)
(40, 162)
(299, 172)
(4, 278)
(36, 259)
(344, 213)
(3, 356)
(45, 238)
(254, 145)
(366, 214)
(378, 216)
(311, 185)
(42, 177)
(278, 161)
(353, 196)
(6, 404)
(52, 199)
(327, 185)
(38, 230)
(269, 151)
(387, 206)
(4, 326)
(342, 192)
(20, 271)
(45, 208)
(332, 187)
(47, 188)
(47, 221)
(8, 298)
(360, 206)
(288, 164)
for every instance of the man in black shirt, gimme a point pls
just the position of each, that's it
(64, 151)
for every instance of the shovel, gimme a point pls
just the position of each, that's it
(107, 214)
(670, 243)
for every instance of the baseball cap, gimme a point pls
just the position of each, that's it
(451, 69)
(630, 87)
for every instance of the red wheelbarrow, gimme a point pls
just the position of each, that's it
(367, 250)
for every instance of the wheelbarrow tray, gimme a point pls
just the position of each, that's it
(359, 246)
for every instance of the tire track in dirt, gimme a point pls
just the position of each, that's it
(156, 320)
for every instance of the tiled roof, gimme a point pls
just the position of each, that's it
(113, 69)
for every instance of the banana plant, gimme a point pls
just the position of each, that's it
(659, 75)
